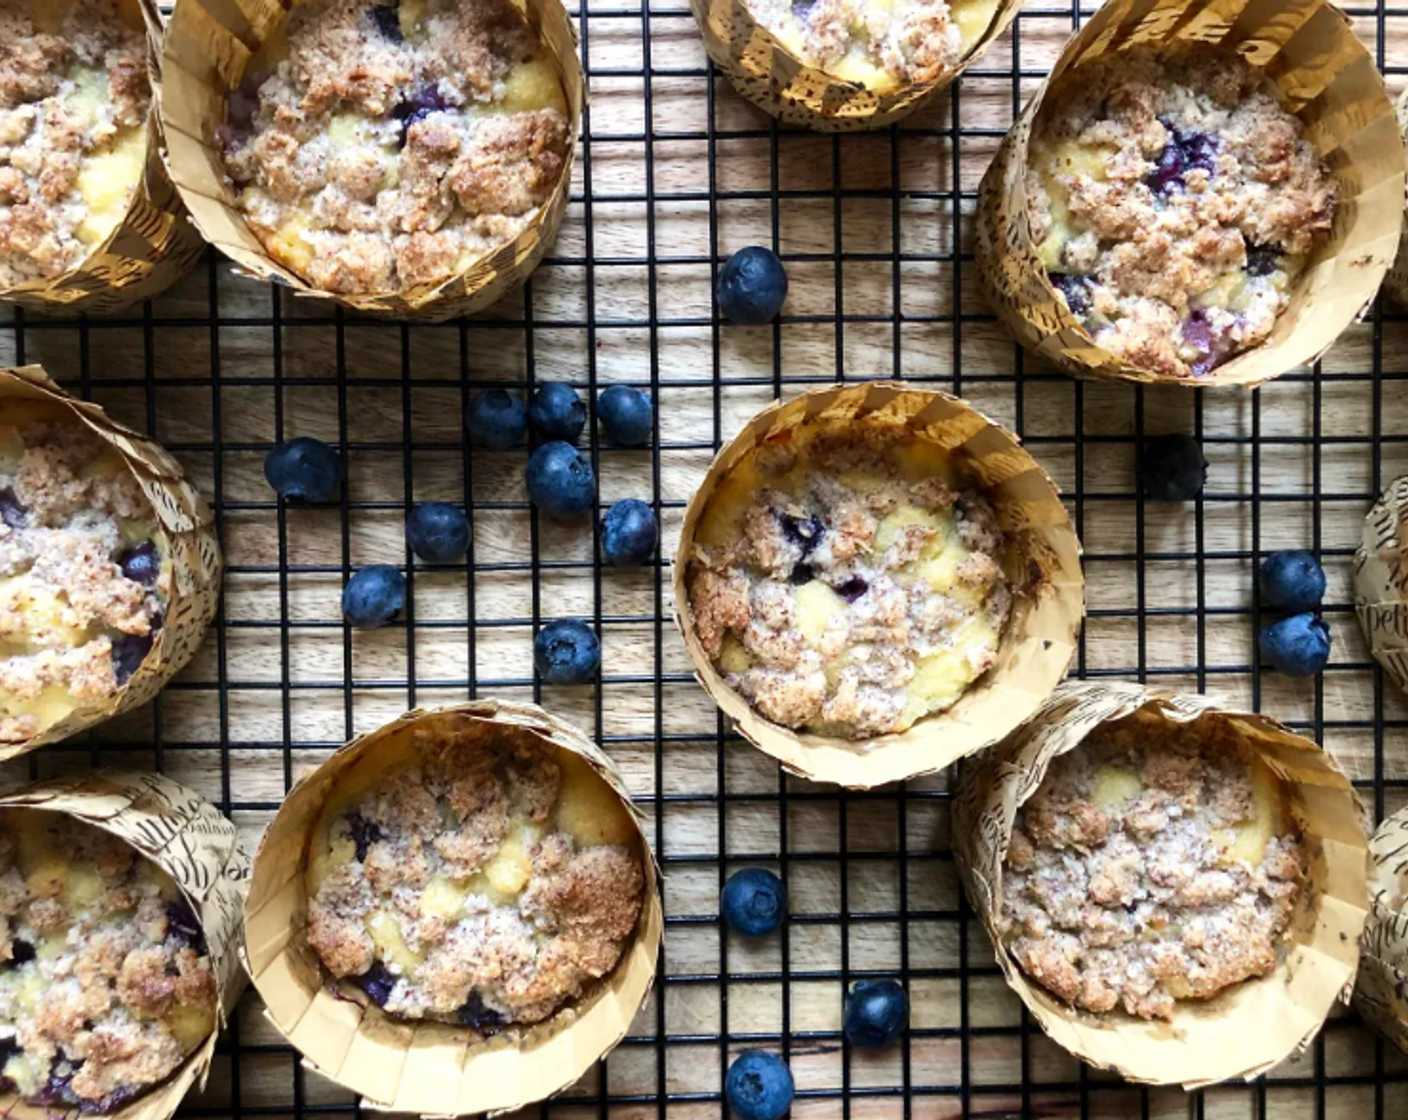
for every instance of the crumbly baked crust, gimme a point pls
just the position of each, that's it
(70, 620)
(462, 889)
(845, 585)
(1156, 862)
(67, 91)
(105, 982)
(1175, 202)
(392, 147)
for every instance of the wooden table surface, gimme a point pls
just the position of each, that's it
(679, 172)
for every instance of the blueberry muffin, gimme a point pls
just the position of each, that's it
(105, 981)
(85, 576)
(1157, 862)
(1174, 201)
(849, 580)
(74, 98)
(487, 881)
(379, 146)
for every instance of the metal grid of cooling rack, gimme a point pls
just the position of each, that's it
(675, 173)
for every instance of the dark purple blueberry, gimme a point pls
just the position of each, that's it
(851, 589)
(1262, 260)
(1184, 152)
(141, 563)
(365, 833)
(57, 1089)
(802, 573)
(803, 8)
(1075, 290)
(475, 1015)
(1199, 150)
(805, 532)
(244, 103)
(377, 983)
(422, 102)
(181, 923)
(13, 512)
(1169, 172)
(21, 952)
(388, 21)
(110, 1103)
(1198, 333)
(128, 653)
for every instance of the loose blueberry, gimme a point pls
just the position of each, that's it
(805, 532)
(802, 573)
(759, 1086)
(566, 652)
(1076, 291)
(1172, 468)
(752, 286)
(497, 420)
(851, 588)
(387, 21)
(304, 469)
(438, 532)
(1292, 580)
(626, 414)
(21, 952)
(629, 533)
(377, 982)
(754, 901)
(374, 596)
(557, 412)
(13, 512)
(476, 1016)
(141, 563)
(128, 653)
(1262, 260)
(1298, 646)
(561, 481)
(364, 834)
(876, 1011)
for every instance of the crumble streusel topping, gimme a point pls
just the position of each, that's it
(377, 146)
(1157, 862)
(83, 576)
(1174, 201)
(105, 981)
(847, 581)
(73, 107)
(487, 885)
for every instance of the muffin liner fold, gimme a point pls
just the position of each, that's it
(1381, 996)
(198, 847)
(1037, 643)
(431, 1068)
(1381, 581)
(192, 545)
(209, 44)
(774, 79)
(1245, 1030)
(1308, 48)
(148, 251)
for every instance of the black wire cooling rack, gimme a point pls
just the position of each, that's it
(675, 172)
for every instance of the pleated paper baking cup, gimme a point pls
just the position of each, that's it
(208, 46)
(1328, 80)
(1396, 282)
(147, 251)
(775, 79)
(1381, 581)
(189, 839)
(1248, 1028)
(1381, 996)
(1037, 643)
(191, 543)
(429, 1067)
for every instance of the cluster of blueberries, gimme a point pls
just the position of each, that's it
(759, 1084)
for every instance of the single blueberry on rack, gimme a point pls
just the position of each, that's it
(754, 901)
(438, 532)
(759, 1086)
(497, 420)
(626, 414)
(876, 1011)
(751, 287)
(566, 652)
(1172, 468)
(1298, 646)
(304, 469)
(629, 533)
(1292, 580)
(561, 481)
(374, 596)
(557, 412)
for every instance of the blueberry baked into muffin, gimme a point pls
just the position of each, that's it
(85, 577)
(1157, 862)
(74, 98)
(1174, 202)
(105, 980)
(849, 580)
(379, 146)
(880, 44)
(487, 883)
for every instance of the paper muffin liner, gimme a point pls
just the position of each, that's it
(1381, 581)
(150, 248)
(769, 75)
(1038, 641)
(1381, 996)
(1245, 1030)
(191, 543)
(1396, 282)
(209, 44)
(428, 1067)
(1328, 79)
(197, 846)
